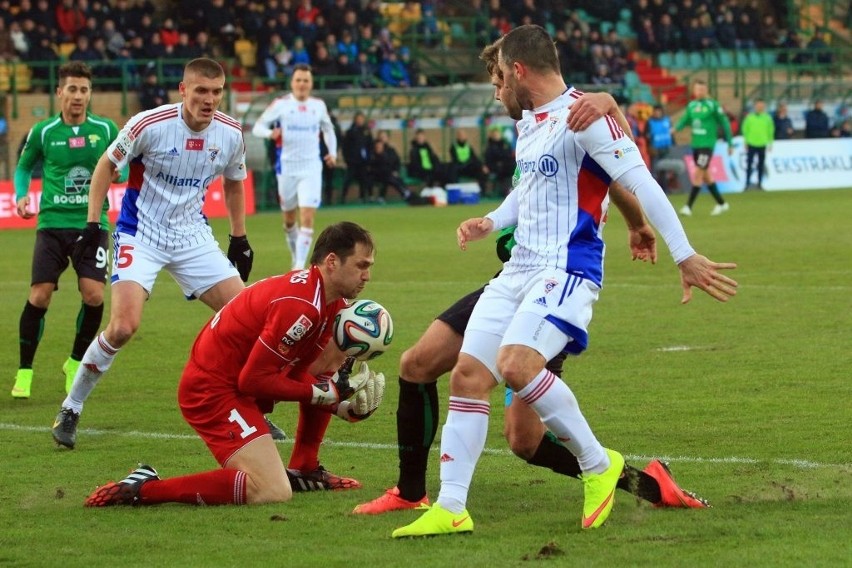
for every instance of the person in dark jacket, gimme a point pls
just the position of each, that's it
(816, 122)
(783, 124)
(500, 161)
(357, 145)
(465, 162)
(424, 163)
(385, 167)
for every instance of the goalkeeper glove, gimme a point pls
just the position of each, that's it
(87, 244)
(365, 402)
(240, 255)
(342, 385)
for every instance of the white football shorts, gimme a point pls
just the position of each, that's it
(196, 269)
(548, 311)
(302, 189)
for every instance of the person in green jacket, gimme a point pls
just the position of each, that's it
(704, 115)
(759, 132)
(68, 145)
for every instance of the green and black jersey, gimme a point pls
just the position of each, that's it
(69, 155)
(704, 117)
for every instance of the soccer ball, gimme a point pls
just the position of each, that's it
(363, 329)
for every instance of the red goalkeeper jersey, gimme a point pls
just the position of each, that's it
(271, 332)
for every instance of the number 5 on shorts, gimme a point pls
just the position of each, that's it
(123, 257)
(237, 419)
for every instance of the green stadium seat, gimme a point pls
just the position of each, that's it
(726, 58)
(625, 15)
(606, 26)
(741, 58)
(696, 60)
(755, 58)
(681, 60)
(665, 60)
(624, 30)
(631, 79)
(769, 56)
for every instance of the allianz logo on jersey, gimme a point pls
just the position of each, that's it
(178, 181)
(546, 165)
(299, 128)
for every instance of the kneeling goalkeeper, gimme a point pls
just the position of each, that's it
(271, 343)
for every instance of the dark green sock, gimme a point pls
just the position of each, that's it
(88, 322)
(416, 426)
(30, 329)
(714, 191)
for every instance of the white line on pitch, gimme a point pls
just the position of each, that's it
(800, 463)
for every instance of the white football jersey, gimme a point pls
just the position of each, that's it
(301, 123)
(171, 167)
(563, 189)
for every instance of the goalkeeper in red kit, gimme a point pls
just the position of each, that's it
(269, 344)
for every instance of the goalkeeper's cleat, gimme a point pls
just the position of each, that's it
(686, 211)
(387, 502)
(65, 428)
(319, 479)
(672, 494)
(599, 491)
(125, 492)
(69, 367)
(276, 432)
(436, 521)
(23, 382)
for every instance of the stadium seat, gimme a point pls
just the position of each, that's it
(726, 58)
(65, 49)
(246, 52)
(665, 60)
(624, 30)
(741, 58)
(681, 60)
(631, 79)
(769, 56)
(755, 58)
(696, 60)
(606, 26)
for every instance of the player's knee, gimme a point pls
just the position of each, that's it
(267, 492)
(513, 370)
(40, 298)
(92, 297)
(417, 367)
(469, 382)
(121, 330)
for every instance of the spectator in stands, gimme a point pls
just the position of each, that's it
(424, 163)
(428, 28)
(371, 14)
(323, 65)
(417, 78)
(667, 34)
(277, 59)
(816, 122)
(770, 33)
(783, 124)
(114, 39)
(300, 53)
(500, 161)
(222, 24)
(70, 20)
(357, 145)
(842, 129)
(284, 27)
(152, 94)
(818, 50)
(758, 133)
(146, 28)
(347, 45)
(465, 162)
(393, 72)
(43, 15)
(367, 43)
(330, 42)
(185, 49)
(306, 21)
(726, 31)
(385, 169)
(84, 51)
(366, 72)
(347, 71)
(169, 34)
(747, 31)
(693, 35)
(335, 14)
(7, 46)
(646, 37)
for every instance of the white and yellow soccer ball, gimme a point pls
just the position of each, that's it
(363, 330)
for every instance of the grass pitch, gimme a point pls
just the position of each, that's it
(749, 400)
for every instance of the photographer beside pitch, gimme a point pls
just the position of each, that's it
(269, 344)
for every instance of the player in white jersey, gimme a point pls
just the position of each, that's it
(174, 152)
(295, 122)
(541, 304)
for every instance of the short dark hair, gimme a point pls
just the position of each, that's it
(489, 55)
(532, 46)
(74, 69)
(205, 67)
(302, 67)
(340, 239)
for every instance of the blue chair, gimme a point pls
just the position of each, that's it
(696, 60)
(665, 60)
(681, 60)
(726, 58)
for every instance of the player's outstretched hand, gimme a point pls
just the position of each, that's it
(241, 255)
(473, 230)
(87, 243)
(365, 402)
(643, 243)
(703, 273)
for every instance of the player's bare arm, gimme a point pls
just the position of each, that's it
(101, 179)
(703, 273)
(235, 203)
(473, 230)
(641, 236)
(23, 208)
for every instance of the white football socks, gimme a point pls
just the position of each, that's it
(462, 442)
(291, 234)
(97, 360)
(303, 247)
(557, 406)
